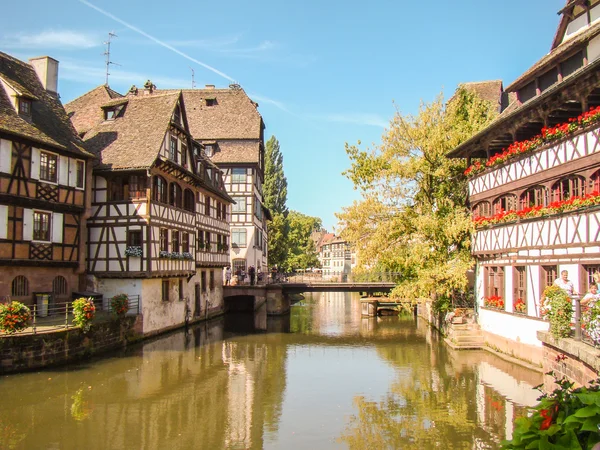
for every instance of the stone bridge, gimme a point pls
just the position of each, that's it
(277, 296)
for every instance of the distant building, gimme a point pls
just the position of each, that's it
(536, 209)
(159, 223)
(44, 186)
(337, 257)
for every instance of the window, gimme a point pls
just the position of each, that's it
(160, 190)
(591, 274)
(200, 239)
(207, 241)
(177, 115)
(211, 101)
(212, 280)
(189, 200)
(185, 242)
(25, 106)
(209, 150)
(165, 290)
(535, 196)
(164, 240)
(180, 290)
(110, 113)
(549, 274)
(495, 282)
(239, 206)
(59, 286)
(183, 154)
(595, 182)
(175, 241)
(115, 189)
(505, 203)
(238, 237)
(20, 286)
(520, 283)
(571, 64)
(527, 92)
(41, 226)
(224, 212)
(173, 149)
(257, 208)
(482, 209)
(238, 265)
(203, 281)
(218, 208)
(134, 238)
(48, 163)
(175, 195)
(207, 205)
(238, 175)
(79, 174)
(568, 187)
(137, 186)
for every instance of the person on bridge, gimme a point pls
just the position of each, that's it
(252, 273)
(227, 276)
(273, 273)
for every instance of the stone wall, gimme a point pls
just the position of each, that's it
(20, 353)
(577, 361)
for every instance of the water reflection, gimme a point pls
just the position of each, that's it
(323, 377)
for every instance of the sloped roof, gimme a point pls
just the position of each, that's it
(551, 58)
(49, 123)
(490, 91)
(234, 116)
(237, 152)
(86, 112)
(133, 140)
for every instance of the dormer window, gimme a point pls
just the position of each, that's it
(25, 106)
(177, 115)
(110, 113)
(210, 150)
(211, 101)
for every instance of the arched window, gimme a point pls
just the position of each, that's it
(505, 203)
(189, 200)
(59, 286)
(568, 187)
(175, 195)
(160, 190)
(20, 286)
(535, 196)
(482, 209)
(595, 182)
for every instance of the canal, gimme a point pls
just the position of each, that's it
(320, 378)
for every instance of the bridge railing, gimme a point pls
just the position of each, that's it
(344, 278)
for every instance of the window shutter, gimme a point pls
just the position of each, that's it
(72, 172)
(57, 228)
(27, 224)
(3, 221)
(5, 155)
(35, 164)
(63, 170)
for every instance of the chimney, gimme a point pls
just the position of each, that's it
(210, 86)
(149, 87)
(46, 69)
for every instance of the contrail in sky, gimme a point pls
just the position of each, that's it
(158, 41)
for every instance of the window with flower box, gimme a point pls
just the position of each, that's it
(595, 182)
(185, 242)
(520, 290)
(505, 203)
(549, 274)
(175, 241)
(535, 196)
(207, 241)
(495, 282)
(482, 209)
(568, 187)
(164, 240)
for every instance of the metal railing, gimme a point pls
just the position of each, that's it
(54, 316)
(318, 277)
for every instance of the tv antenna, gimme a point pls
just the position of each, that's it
(193, 81)
(107, 54)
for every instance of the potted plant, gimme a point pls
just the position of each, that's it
(520, 306)
(14, 317)
(119, 305)
(558, 310)
(84, 312)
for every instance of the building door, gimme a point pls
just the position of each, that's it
(197, 300)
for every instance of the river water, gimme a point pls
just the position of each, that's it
(322, 377)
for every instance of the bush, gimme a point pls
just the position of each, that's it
(558, 309)
(119, 305)
(14, 317)
(565, 419)
(84, 312)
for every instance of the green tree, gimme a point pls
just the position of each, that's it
(275, 195)
(412, 217)
(301, 252)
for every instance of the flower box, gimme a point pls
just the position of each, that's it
(495, 302)
(133, 250)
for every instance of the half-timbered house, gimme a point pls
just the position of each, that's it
(159, 222)
(228, 124)
(534, 182)
(43, 186)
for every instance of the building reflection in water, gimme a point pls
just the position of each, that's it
(224, 384)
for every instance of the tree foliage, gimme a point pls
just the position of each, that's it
(301, 249)
(275, 195)
(412, 217)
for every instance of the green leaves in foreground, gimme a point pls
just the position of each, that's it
(565, 419)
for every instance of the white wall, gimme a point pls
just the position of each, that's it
(516, 327)
(110, 287)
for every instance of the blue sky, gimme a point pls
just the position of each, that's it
(323, 72)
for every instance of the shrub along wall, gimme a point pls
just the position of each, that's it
(33, 351)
